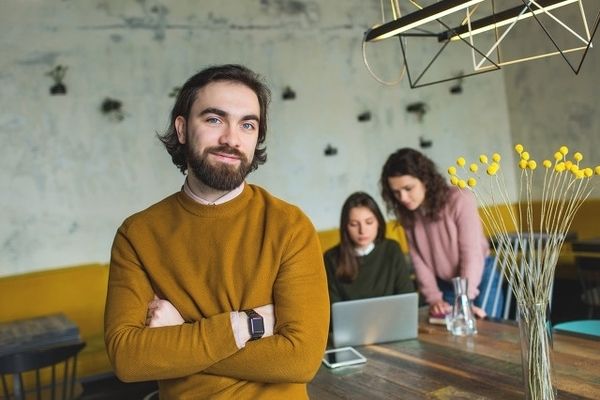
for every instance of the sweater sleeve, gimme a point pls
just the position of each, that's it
(294, 352)
(471, 238)
(426, 279)
(330, 259)
(140, 353)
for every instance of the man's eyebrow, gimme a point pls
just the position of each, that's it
(250, 117)
(223, 113)
(212, 110)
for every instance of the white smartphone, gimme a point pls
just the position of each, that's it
(342, 357)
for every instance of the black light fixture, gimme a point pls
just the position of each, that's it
(503, 18)
(413, 25)
(418, 18)
(530, 8)
(475, 17)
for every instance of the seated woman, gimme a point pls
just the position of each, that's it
(444, 232)
(365, 263)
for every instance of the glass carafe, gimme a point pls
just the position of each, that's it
(463, 321)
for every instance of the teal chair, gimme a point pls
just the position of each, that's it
(588, 327)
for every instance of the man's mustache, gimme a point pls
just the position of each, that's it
(224, 149)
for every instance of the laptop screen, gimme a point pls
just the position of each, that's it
(375, 320)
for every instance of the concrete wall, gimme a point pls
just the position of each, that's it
(69, 174)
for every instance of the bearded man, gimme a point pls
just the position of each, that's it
(218, 291)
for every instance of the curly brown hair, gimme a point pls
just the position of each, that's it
(407, 161)
(187, 96)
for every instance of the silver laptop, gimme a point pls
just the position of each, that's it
(375, 320)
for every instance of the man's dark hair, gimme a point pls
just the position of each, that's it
(187, 96)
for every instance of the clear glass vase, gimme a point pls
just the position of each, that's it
(462, 321)
(536, 351)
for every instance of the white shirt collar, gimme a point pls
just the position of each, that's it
(365, 250)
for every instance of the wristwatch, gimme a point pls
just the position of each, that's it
(256, 325)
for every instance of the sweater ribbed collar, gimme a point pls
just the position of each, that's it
(231, 207)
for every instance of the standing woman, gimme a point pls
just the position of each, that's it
(443, 228)
(365, 263)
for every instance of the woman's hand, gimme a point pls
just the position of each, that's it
(162, 313)
(440, 308)
(478, 312)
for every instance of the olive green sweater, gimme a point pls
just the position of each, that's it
(382, 272)
(208, 261)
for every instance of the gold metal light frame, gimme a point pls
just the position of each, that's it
(411, 25)
(509, 18)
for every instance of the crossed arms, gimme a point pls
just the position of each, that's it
(208, 344)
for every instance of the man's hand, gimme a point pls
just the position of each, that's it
(162, 313)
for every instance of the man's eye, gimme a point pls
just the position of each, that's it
(213, 120)
(248, 125)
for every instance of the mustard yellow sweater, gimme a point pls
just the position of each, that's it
(208, 261)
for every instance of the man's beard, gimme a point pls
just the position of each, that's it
(220, 176)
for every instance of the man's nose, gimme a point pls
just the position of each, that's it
(230, 136)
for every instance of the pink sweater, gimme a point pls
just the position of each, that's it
(451, 246)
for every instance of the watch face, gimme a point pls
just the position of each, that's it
(257, 326)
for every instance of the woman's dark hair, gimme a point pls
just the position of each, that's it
(411, 162)
(347, 267)
(187, 96)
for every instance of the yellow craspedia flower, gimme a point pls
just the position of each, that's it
(473, 167)
(560, 167)
(578, 156)
(483, 159)
(522, 164)
(525, 156)
(579, 174)
(547, 163)
(558, 156)
(454, 180)
(461, 161)
(564, 150)
(472, 182)
(531, 164)
(452, 170)
(568, 165)
(588, 172)
(462, 184)
(597, 170)
(496, 157)
(519, 148)
(574, 168)
(492, 169)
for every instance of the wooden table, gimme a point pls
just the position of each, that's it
(438, 365)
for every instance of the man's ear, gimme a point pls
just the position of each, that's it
(180, 129)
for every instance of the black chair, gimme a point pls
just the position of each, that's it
(587, 261)
(16, 365)
(151, 396)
